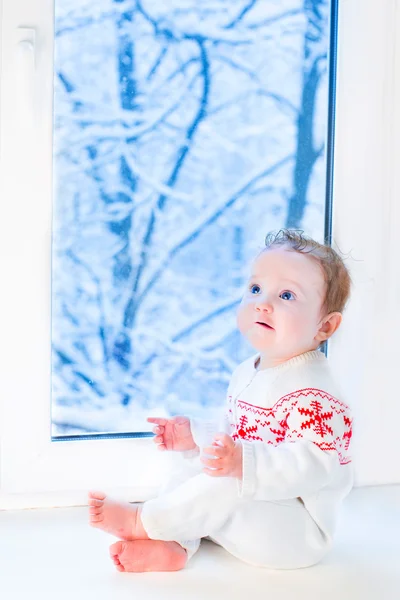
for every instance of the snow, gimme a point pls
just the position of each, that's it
(175, 145)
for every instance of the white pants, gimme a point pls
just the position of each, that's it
(277, 535)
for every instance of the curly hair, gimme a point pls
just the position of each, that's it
(337, 277)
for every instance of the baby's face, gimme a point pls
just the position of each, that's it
(281, 308)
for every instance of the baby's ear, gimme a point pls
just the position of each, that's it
(329, 325)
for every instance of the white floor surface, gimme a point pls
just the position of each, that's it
(55, 554)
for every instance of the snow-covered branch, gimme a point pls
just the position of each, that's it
(206, 220)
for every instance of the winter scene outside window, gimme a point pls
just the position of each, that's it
(184, 131)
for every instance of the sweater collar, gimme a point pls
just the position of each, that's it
(306, 357)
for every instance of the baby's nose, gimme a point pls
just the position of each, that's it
(263, 304)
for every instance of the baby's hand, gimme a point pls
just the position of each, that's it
(173, 434)
(227, 461)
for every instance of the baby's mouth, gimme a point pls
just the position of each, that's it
(264, 325)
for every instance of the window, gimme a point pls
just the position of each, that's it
(104, 173)
(183, 133)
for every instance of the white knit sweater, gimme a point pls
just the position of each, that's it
(295, 431)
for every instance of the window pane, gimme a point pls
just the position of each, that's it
(183, 133)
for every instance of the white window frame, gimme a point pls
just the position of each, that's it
(36, 472)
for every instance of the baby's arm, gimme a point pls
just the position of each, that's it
(290, 470)
(316, 438)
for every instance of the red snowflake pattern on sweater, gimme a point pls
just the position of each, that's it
(247, 432)
(317, 419)
(308, 413)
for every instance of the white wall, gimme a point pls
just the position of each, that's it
(367, 224)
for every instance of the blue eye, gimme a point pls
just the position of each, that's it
(286, 294)
(255, 289)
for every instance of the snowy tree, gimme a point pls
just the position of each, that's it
(184, 132)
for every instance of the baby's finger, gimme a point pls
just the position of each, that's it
(94, 510)
(223, 439)
(214, 451)
(158, 429)
(211, 462)
(161, 447)
(214, 473)
(157, 420)
(158, 439)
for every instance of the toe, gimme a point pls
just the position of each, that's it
(116, 549)
(95, 502)
(96, 518)
(97, 495)
(95, 511)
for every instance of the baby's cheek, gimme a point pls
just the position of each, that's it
(241, 318)
(285, 329)
(297, 327)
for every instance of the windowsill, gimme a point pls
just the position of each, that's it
(53, 553)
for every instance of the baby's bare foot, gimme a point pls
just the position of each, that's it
(117, 518)
(141, 556)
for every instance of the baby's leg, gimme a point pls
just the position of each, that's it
(276, 535)
(190, 511)
(122, 519)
